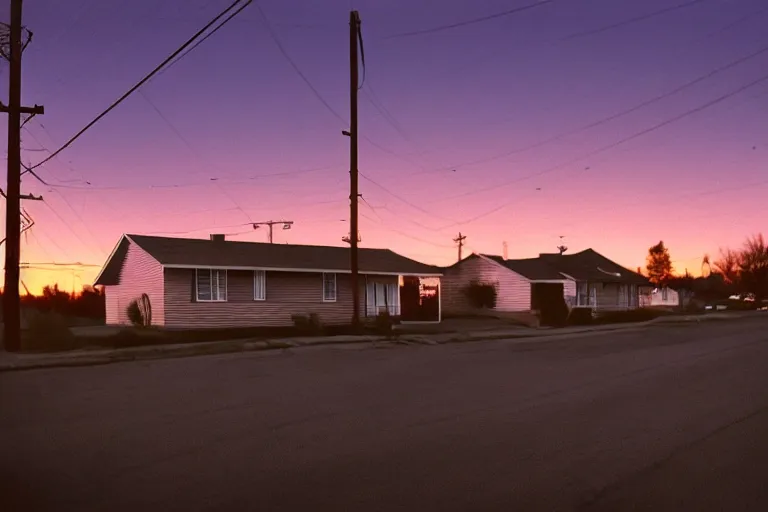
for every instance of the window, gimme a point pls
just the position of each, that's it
(211, 285)
(381, 297)
(259, 285)
(329, 287)
(582, 294)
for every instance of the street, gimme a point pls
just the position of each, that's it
(671, 417)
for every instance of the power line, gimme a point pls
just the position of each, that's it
(319, 96)
(620, 114)
(623, 140)
(139, 84)
(472, 21)
(402, 233)
(191, 149)
(402, 199)
(632, 20)
(201, 41)
(58, 215)
(295, 67)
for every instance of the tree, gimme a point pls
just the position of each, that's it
(659, 264)
(753, 267)
(727, 265)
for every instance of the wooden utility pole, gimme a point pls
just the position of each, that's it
(11, 301)
(286, 225)
(460, 240)
(354, 32)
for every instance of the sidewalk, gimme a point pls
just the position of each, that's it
(88, 357)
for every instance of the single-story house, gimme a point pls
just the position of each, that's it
(197, 283)
(585, 279)
(597, 282)
(518, 283)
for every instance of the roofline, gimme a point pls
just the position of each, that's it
(563, 281)
(109, 258)
(486, 258)
(313, 270)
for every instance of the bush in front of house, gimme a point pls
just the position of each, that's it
(481, 295)
(385, 323)
(580, 316)
(134, 313)
(307, 324)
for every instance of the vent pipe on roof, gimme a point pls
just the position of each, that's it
(217, 238)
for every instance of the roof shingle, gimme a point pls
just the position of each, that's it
(208, 253)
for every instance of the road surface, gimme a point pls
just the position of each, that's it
(664, 418)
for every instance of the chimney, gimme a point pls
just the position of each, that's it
(217, 238)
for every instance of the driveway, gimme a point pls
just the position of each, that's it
(665, 418)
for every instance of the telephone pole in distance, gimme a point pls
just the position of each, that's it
(460, 240)
(11, 299)
(286, 225)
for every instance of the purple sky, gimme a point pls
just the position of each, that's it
(235, 109)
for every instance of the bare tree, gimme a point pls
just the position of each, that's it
(728, 265)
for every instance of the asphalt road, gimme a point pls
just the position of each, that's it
(666, 418)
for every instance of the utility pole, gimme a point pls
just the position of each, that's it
(11, 299)
(286, 225)
(460, 240)
(354, 34)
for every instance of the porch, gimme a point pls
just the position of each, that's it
(604, 296)
(411, 298)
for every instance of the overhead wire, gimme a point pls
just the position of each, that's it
(146, 78)
(634, 19)
(621, 141)
(616, 115)
(471, 21)
(319, 96)
(192, 150)
(400, 198)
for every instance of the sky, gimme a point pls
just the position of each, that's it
(501, 129)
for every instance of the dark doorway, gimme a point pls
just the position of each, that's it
(548, 299)
(420, 299)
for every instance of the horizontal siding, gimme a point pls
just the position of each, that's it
(513, 291)
(140, 274)
(609, 299)
(287, 294)
(569, 291)
(111, 294)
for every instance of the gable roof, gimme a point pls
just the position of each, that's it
(193, 252)
(589, 265)
(533, 269)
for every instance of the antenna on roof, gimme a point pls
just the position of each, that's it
(562, 248)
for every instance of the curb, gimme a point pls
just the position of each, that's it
(234, 346)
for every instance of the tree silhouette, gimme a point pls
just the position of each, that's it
(659, 264)
(727, 265)
(753, 267)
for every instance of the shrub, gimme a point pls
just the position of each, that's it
(385, 323)
(309, 324)
(134, 313)
(481, 295)
(48, 332)
(580, 316)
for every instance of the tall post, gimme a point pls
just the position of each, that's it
(354, 27)
(460, 240)
(270, 223)
(11, 307)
